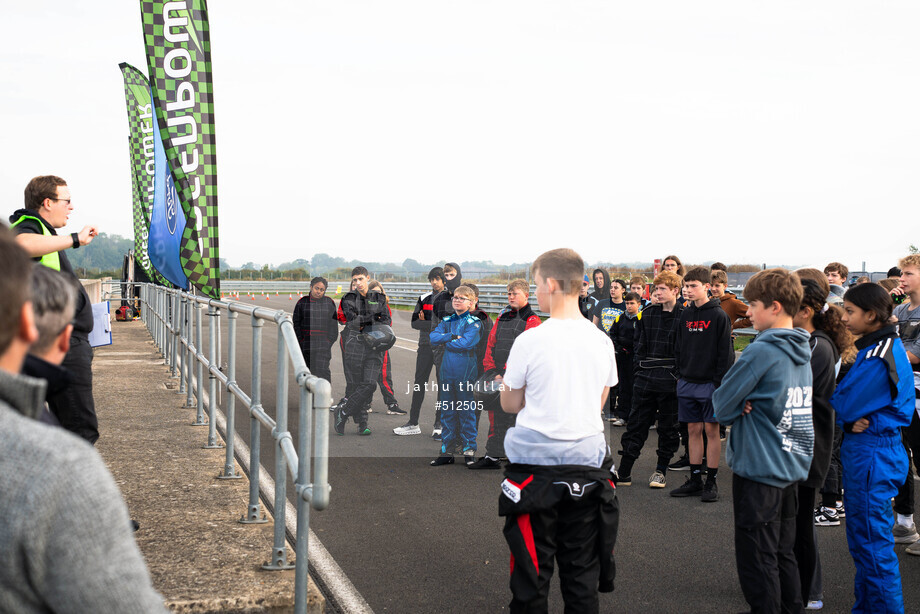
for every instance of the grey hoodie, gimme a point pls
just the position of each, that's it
(774, 443)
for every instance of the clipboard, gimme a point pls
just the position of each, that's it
(102, 325)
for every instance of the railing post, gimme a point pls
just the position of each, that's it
(301, 541)
(175, 335)
(279, 550)
(199, 416)
(213, 314)
(190, 362)
(159, 336)
(229, 472)
(183, 341)
(253, 515)
(167, 335)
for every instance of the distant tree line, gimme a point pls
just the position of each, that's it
(104, 257)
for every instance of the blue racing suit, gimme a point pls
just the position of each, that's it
(459, 334)
(880, 388)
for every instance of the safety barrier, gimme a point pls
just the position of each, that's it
(174, 319)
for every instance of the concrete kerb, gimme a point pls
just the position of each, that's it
(340, 593)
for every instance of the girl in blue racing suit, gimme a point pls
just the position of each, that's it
(873, 402)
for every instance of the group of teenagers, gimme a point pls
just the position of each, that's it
(822, 401)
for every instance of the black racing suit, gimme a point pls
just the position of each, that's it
(568, 513)
(317, 330)
(362, 366)
(424, 360)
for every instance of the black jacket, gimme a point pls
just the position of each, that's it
(483, 336)
(57, 377)
(587, 304)
(424, 304)
(443, 306)
(315, 324)
(623, 333)
(703, 346)
(359, 311)
(824, 357)
(83, 320)
(656, 334)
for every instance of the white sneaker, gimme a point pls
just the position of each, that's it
(905, 535)
(814, 605)
(407, 429)
(436, 433)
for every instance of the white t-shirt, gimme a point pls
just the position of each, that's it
(565, 365)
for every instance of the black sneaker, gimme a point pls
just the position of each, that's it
(443, 459)
(340, 420)
(689, 489)
(363, 430)
(486, 462)
(394, 410)
(341, 403)
(681, 464)
(710, 492)
(619, 480)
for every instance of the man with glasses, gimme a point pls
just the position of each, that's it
(47, 207)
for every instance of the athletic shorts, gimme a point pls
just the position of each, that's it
(694, 402)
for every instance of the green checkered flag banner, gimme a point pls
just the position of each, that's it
(179, 59)
(140, 145)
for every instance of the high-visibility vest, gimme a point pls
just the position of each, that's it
(52, 260)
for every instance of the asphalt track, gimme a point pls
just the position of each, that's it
(415, 538)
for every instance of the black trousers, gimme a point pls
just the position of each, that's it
(830, 491)
(423, 363)
(74, 406)
(499, 423)
(904, 500)
(567, 533)
(764, 541)
(362, 368)
(805, 549)
(348, 385)
(622, 394)
(647, 406)
(317, 360)
(385, 381)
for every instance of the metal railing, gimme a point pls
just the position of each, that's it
(174, 319)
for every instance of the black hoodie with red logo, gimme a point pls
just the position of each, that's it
(703, 347)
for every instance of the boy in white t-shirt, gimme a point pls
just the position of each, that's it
(558, 498)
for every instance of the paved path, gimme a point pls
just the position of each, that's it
(200, 558)
(414, 538)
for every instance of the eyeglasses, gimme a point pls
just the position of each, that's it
(66, 200)
(460, 298)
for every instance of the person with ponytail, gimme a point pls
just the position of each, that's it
(829, 339)
(873, 401)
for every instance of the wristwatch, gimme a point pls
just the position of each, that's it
(76, 239)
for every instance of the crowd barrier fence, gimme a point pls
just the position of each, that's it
(174, 320)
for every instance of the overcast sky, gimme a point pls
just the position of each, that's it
(747, 132)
